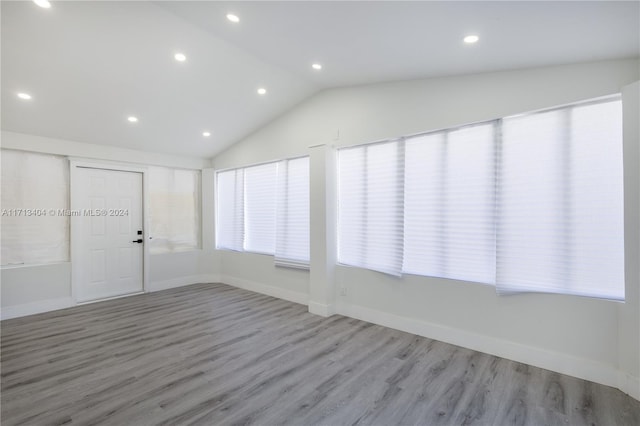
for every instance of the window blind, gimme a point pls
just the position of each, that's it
(292, 230)
(527, 203)
(174, 209)
(260, 208)
(449, 220)
(560, 202)
(265, 209)
(370, 206)
(230, 210)
(40, 183)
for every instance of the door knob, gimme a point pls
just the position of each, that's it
(139, 241)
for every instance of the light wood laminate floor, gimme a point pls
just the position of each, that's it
(212, 354)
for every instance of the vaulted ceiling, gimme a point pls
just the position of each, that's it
(88, 66)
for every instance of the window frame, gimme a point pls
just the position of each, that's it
(278, 261)
(497, 147)
(42, 212)
(197, 210)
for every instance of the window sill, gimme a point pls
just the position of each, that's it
(292, 264)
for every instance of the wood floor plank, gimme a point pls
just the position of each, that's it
(214, 354)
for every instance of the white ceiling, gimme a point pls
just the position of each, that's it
(88, 65)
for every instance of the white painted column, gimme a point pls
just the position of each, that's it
(323, 198)
(629, 312)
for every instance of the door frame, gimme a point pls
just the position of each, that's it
(75, 226)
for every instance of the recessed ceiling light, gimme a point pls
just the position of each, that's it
(262, 91)
(132, 119)
(24, 96)
(233, 18)
(180, 57)
(316, 66)
(43, 3)
(470, 39)
(206, 134)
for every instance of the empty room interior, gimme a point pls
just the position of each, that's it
(320, 213)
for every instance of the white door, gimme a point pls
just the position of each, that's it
(110, 236)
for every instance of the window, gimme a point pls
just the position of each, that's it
(38, 183)
(292, 227)
(265, 209)
(260, 184)
(560, 202)
(370, 212)
(230, 210)
(527, 203)
(449, 204)
(174, 209)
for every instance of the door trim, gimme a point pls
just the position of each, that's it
(74, 203)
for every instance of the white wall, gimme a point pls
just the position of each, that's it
(257, 272)
(24, 142)
(573, 335)
(31, 289)
(26, 290)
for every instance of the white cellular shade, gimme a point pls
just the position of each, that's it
(370, 206)
(560, 202)
(424, 234)
(265, 209)
(449, 228)
(230, 210)
(292, 229)
(528, 203)
(352, 227)
(260, 190)
(174, 197)
(39, 183)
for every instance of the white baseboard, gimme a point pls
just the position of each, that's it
(629, 385)
(321, 309)
(280, 293)
(38, 307)
(182, 281)
(561, 363)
